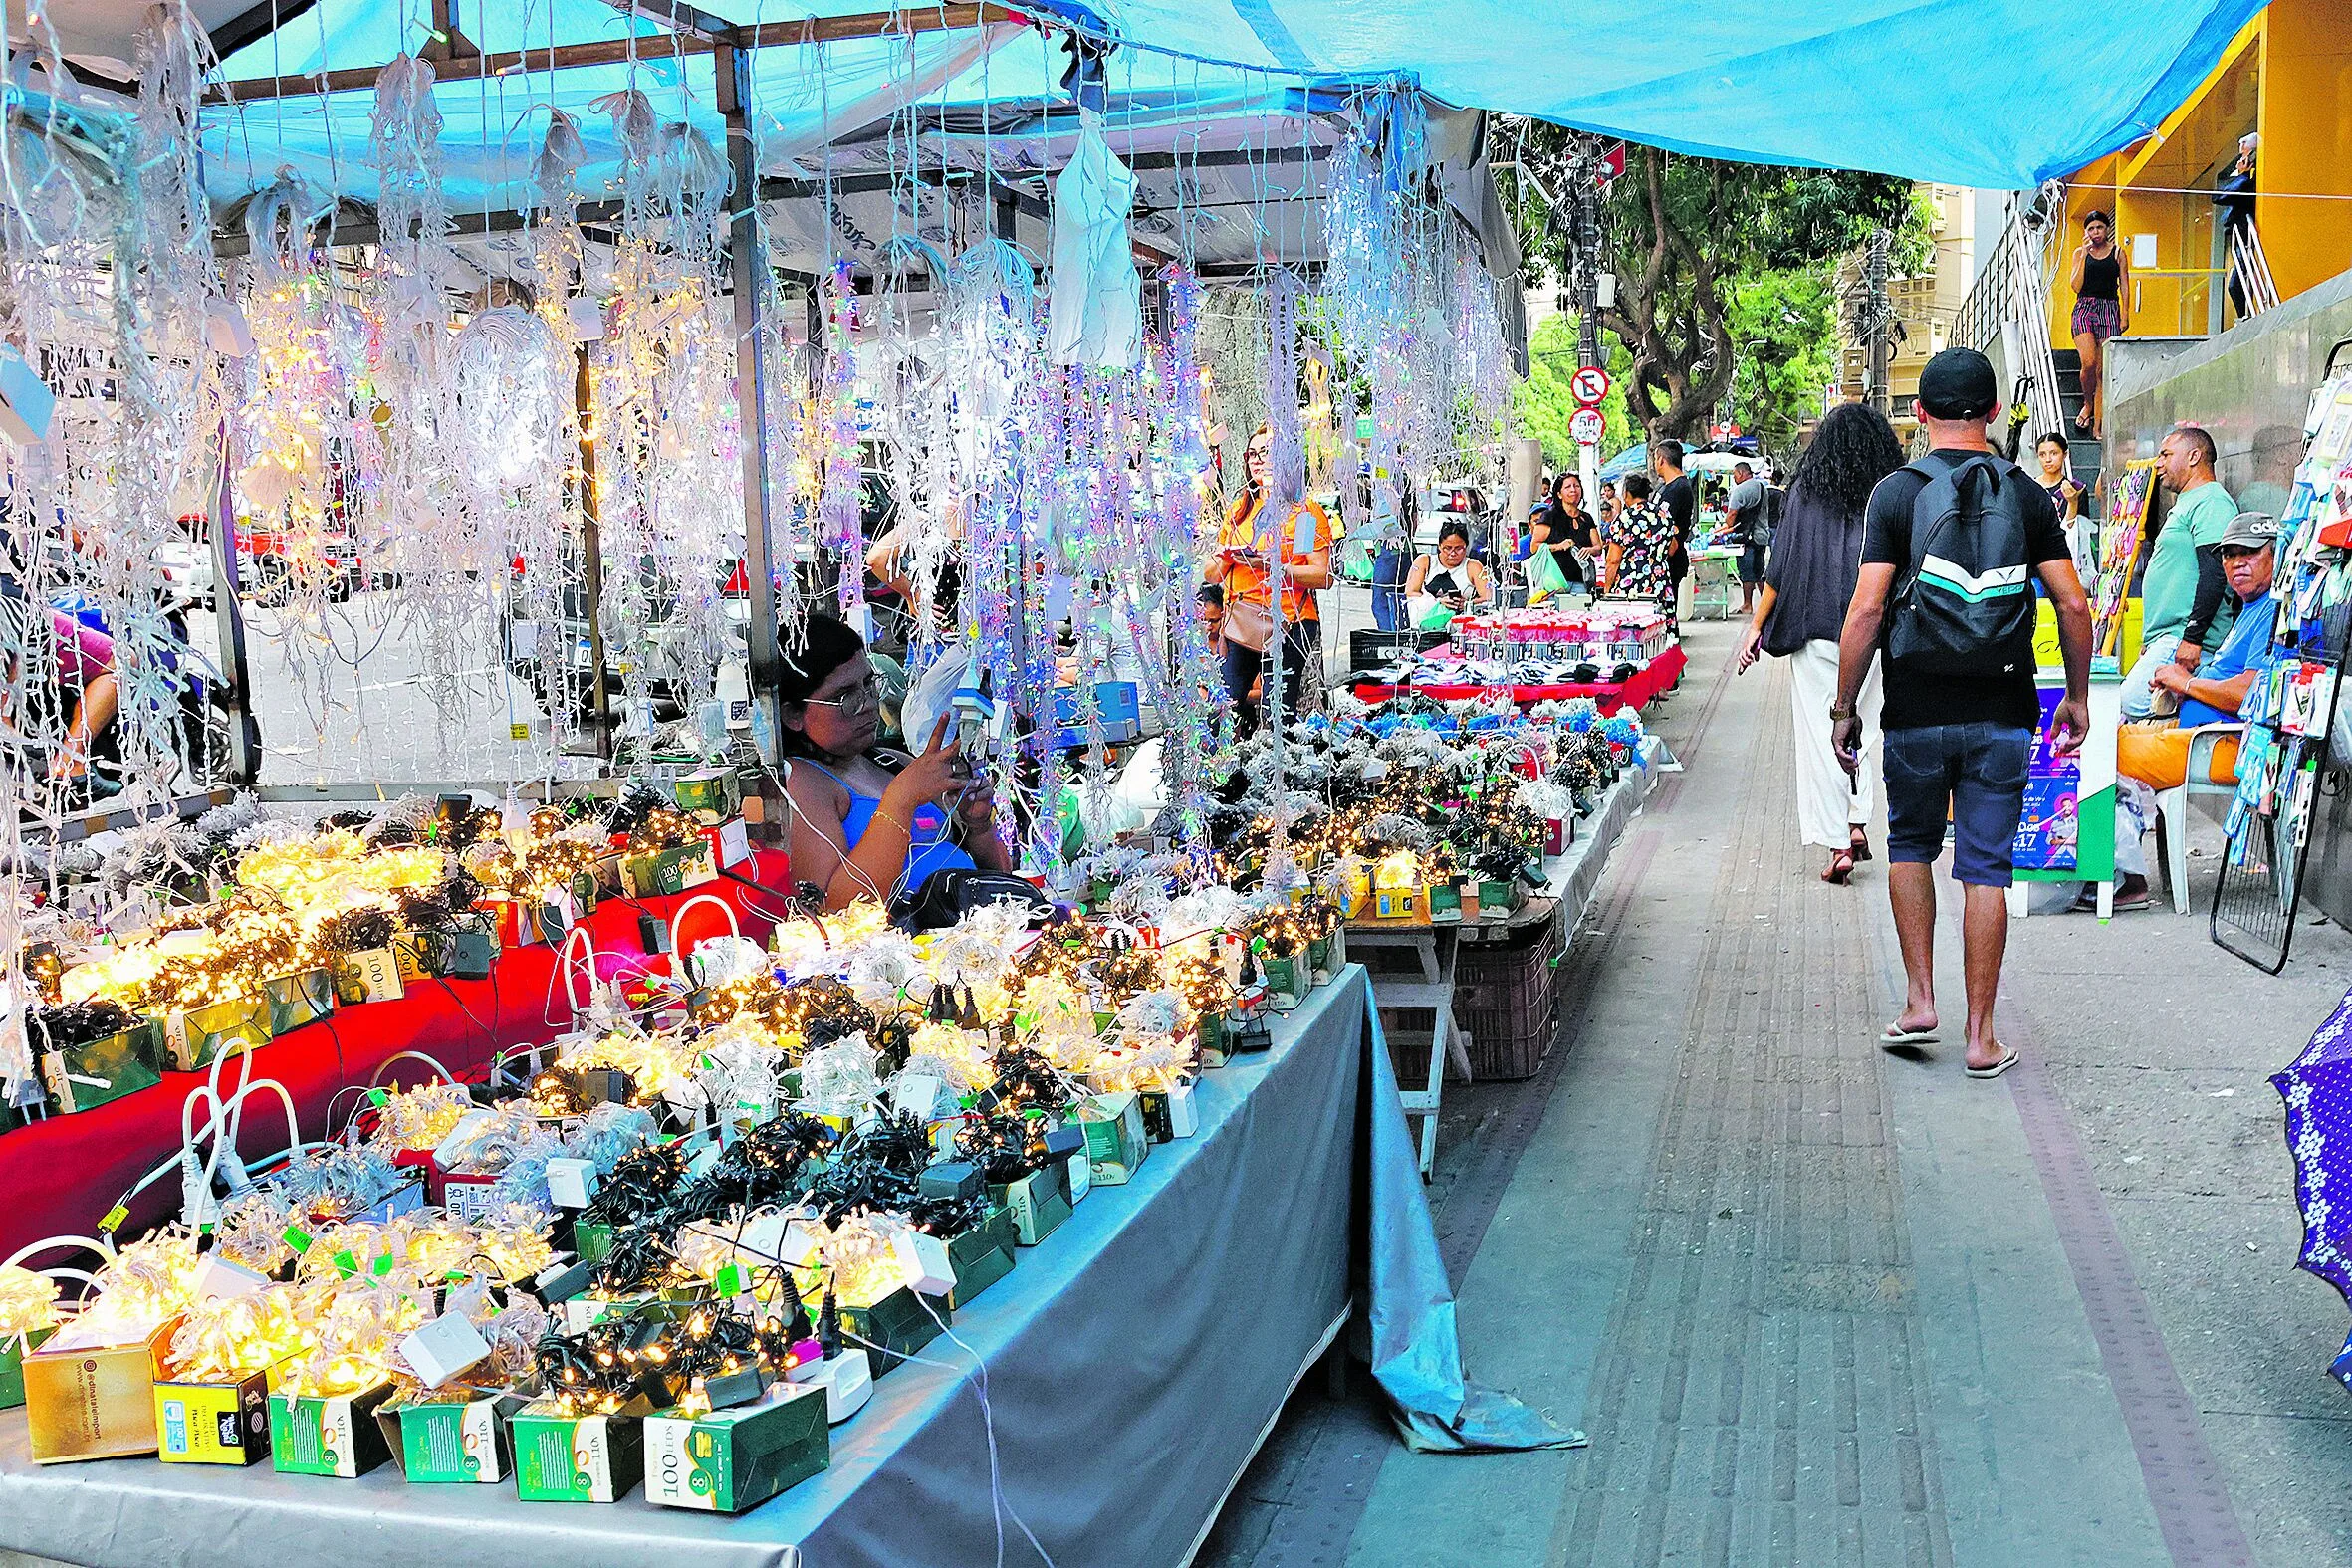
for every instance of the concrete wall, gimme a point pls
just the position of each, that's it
(2248, 388)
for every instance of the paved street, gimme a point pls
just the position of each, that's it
(1819, 1304)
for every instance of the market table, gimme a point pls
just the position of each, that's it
(1644, 688)
(61, 1174)
(1131, 1365)
(1570, 881)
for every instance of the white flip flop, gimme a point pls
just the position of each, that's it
(2008, 1059)
(1891, 1036)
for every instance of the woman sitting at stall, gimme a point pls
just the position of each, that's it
(1444, 585)
(869, 822)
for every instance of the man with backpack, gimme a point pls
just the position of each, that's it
(1944, 598)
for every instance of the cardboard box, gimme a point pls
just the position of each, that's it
(452, 1438)
(981, 1256)
(1115, 1140)
(591, 1240)
(1285, 980)
(1170, 1113)
(339, 1436)
(371, 975)
(575, 1459)
(709, 790)
(304, 997)
(1038, 1203)
(91, 1401)
(82, 1076)
(213, 1423)
(12, 1365)
(727, 1460)
(669, 871)
(895, 1328)
(196, 1038)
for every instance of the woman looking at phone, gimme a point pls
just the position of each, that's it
(867, 822)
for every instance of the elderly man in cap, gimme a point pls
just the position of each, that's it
(2153, 757)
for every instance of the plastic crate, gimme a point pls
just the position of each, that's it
(1507, 998)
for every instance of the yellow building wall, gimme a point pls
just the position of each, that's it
(2306, 125)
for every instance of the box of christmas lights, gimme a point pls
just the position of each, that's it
(727, 1460)
(83, 1073)
(561, 1456)
(329, 1433)
(462, 1435)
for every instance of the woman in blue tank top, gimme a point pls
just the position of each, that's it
(868, 823)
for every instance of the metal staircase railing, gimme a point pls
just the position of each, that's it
(2010, 300)
(2252, 267)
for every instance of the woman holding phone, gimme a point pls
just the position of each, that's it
(1249, 542)
(867, 822)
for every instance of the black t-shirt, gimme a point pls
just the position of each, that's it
(1915, 700)
(1681, 503)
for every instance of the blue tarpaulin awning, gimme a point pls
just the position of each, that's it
(1996, 93)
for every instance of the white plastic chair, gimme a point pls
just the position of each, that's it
(2171, 806)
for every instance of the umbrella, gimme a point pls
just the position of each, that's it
(2317, 1089)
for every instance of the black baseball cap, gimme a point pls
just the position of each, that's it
(1958, 384)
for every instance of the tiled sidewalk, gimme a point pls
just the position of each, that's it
(1819, 1306)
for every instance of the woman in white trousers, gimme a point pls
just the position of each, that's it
(1816, 555)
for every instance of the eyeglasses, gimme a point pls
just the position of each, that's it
(1258, 452)
(861, 698)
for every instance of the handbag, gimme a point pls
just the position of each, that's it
(1248, 626)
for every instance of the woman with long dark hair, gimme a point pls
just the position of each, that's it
(1565, 529)
(1816, 558)
(1252, 548)
(867, 822)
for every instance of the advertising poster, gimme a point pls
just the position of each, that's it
(2047, 831)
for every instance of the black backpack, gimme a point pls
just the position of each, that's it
(1965, 604)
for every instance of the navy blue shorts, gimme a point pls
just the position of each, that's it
(1978, 773)
(1751, 563)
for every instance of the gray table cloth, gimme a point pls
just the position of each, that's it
(1127, 1368)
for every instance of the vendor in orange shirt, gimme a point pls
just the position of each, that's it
(1246, 543)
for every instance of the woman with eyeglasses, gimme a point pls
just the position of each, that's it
(869, 822)
(1245, 543)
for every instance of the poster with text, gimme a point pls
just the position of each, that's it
(2047, 831)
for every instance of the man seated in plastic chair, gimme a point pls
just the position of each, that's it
(2155, 755)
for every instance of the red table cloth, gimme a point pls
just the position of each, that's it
(61, 1175)
(1637, 693)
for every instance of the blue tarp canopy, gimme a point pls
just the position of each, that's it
(1996, 93)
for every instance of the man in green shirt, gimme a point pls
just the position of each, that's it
(2184, 589)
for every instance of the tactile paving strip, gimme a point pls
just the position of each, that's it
(2184, 1485)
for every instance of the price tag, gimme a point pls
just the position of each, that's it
(519, 732)
(728, 1282)
(295, 1237)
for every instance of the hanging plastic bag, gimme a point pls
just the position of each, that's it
(1097, 304)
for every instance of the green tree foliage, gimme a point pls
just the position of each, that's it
(1784, 325)
(1544, 402)
(1689, 240)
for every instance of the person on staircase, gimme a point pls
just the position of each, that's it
(2100, 274)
